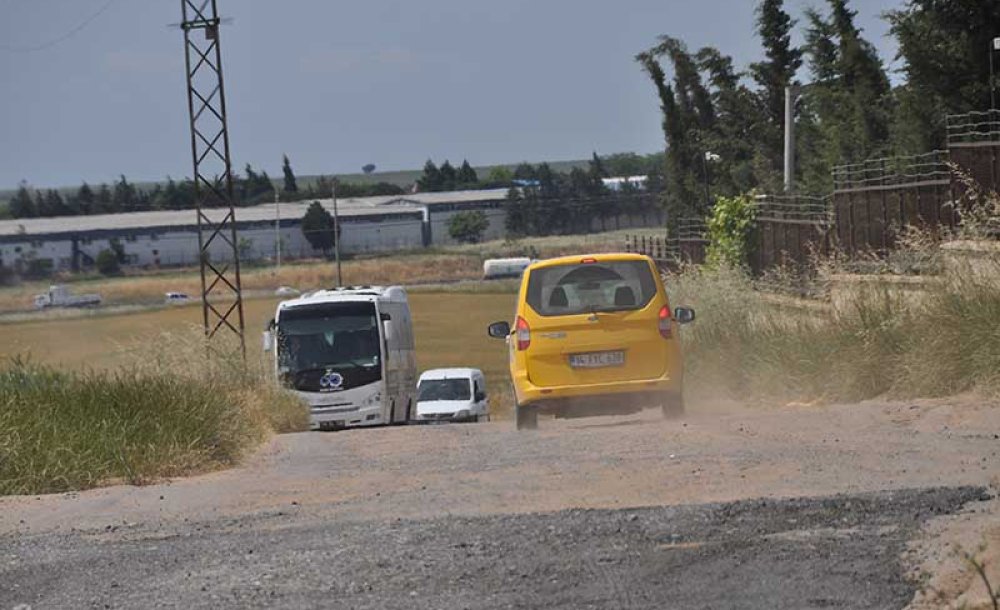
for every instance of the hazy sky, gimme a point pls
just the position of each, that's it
(340, 84)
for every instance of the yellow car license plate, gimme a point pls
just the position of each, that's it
(596, 360)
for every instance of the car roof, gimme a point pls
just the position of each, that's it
(452, 373)
(603, 257)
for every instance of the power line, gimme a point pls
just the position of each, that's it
(66, 36)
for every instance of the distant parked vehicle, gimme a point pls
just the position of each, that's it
(174, 298)
(60, 296)
(286, 291)
(452, 395)
(495, 268)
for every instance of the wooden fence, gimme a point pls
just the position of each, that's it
(871, 203)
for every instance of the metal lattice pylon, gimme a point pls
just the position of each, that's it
(221, 292)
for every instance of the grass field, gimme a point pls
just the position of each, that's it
(416, 267)
(449, 327)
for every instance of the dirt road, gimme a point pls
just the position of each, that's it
(468, 516)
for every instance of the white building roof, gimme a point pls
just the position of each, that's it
(354, 207)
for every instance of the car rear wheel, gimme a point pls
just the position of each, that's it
(673, 406)
(527, 417)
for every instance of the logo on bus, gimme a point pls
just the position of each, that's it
(330, 382)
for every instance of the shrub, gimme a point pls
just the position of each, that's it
(107, 263)
(468, 227)
(730, 227)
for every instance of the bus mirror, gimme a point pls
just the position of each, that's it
(268, 341)
(389, 331)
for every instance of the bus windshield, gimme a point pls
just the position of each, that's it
(328, 336)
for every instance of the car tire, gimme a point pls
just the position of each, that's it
(673, 406)
(526, 417)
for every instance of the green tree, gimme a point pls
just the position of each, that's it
(777, 71)
(107, 263)
(22, 205)
(85, 199)
(431, 180)
(286, 169)
(679, 197)
(52, 204)
(845, 118)
(524, 171)
(468, 226)
(318, 228)
(499, 176)
(467, 176)
(448, 176)
(123, 198)
(943, 45)
(103, 200)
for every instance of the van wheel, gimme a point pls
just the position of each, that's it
(673, 406)
(527, 417)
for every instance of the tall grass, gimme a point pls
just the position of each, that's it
(175, 411)
(879, 340)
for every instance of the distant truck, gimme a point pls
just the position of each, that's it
(495, 268)
(59, 296)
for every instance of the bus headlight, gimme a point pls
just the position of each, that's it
(374, 399)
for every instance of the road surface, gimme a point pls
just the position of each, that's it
(798, 507)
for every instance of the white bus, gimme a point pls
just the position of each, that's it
(349, 353)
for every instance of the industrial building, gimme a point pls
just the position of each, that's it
(170, 238)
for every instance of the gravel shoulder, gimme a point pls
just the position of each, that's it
(841, 552)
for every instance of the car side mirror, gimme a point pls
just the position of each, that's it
(684, 315)
(480, 397)
(499, 330)
(268, 341)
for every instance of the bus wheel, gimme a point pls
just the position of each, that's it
(527, 417)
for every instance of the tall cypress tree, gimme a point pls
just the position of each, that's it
(85, 199)
(944, 46)
(467, 175)
(431, 180)
(286, 169)
(777, 71)
(22, 205)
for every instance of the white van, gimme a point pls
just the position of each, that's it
(348, 352)
(452, 395)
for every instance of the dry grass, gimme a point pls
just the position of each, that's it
(881, 339)
(174, 411)
(150, 289)
(443, 265)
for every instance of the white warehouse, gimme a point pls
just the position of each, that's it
(170, 238)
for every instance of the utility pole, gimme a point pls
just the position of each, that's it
(277, 229)
(336, 231)
(221, 291)
(791, 95)
(994, 47)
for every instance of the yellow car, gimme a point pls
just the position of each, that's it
(594, 335)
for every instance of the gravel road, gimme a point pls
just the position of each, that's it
(840, 552)
(797, 507)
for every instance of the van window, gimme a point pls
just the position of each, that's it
(443, 389)
(577, 288)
